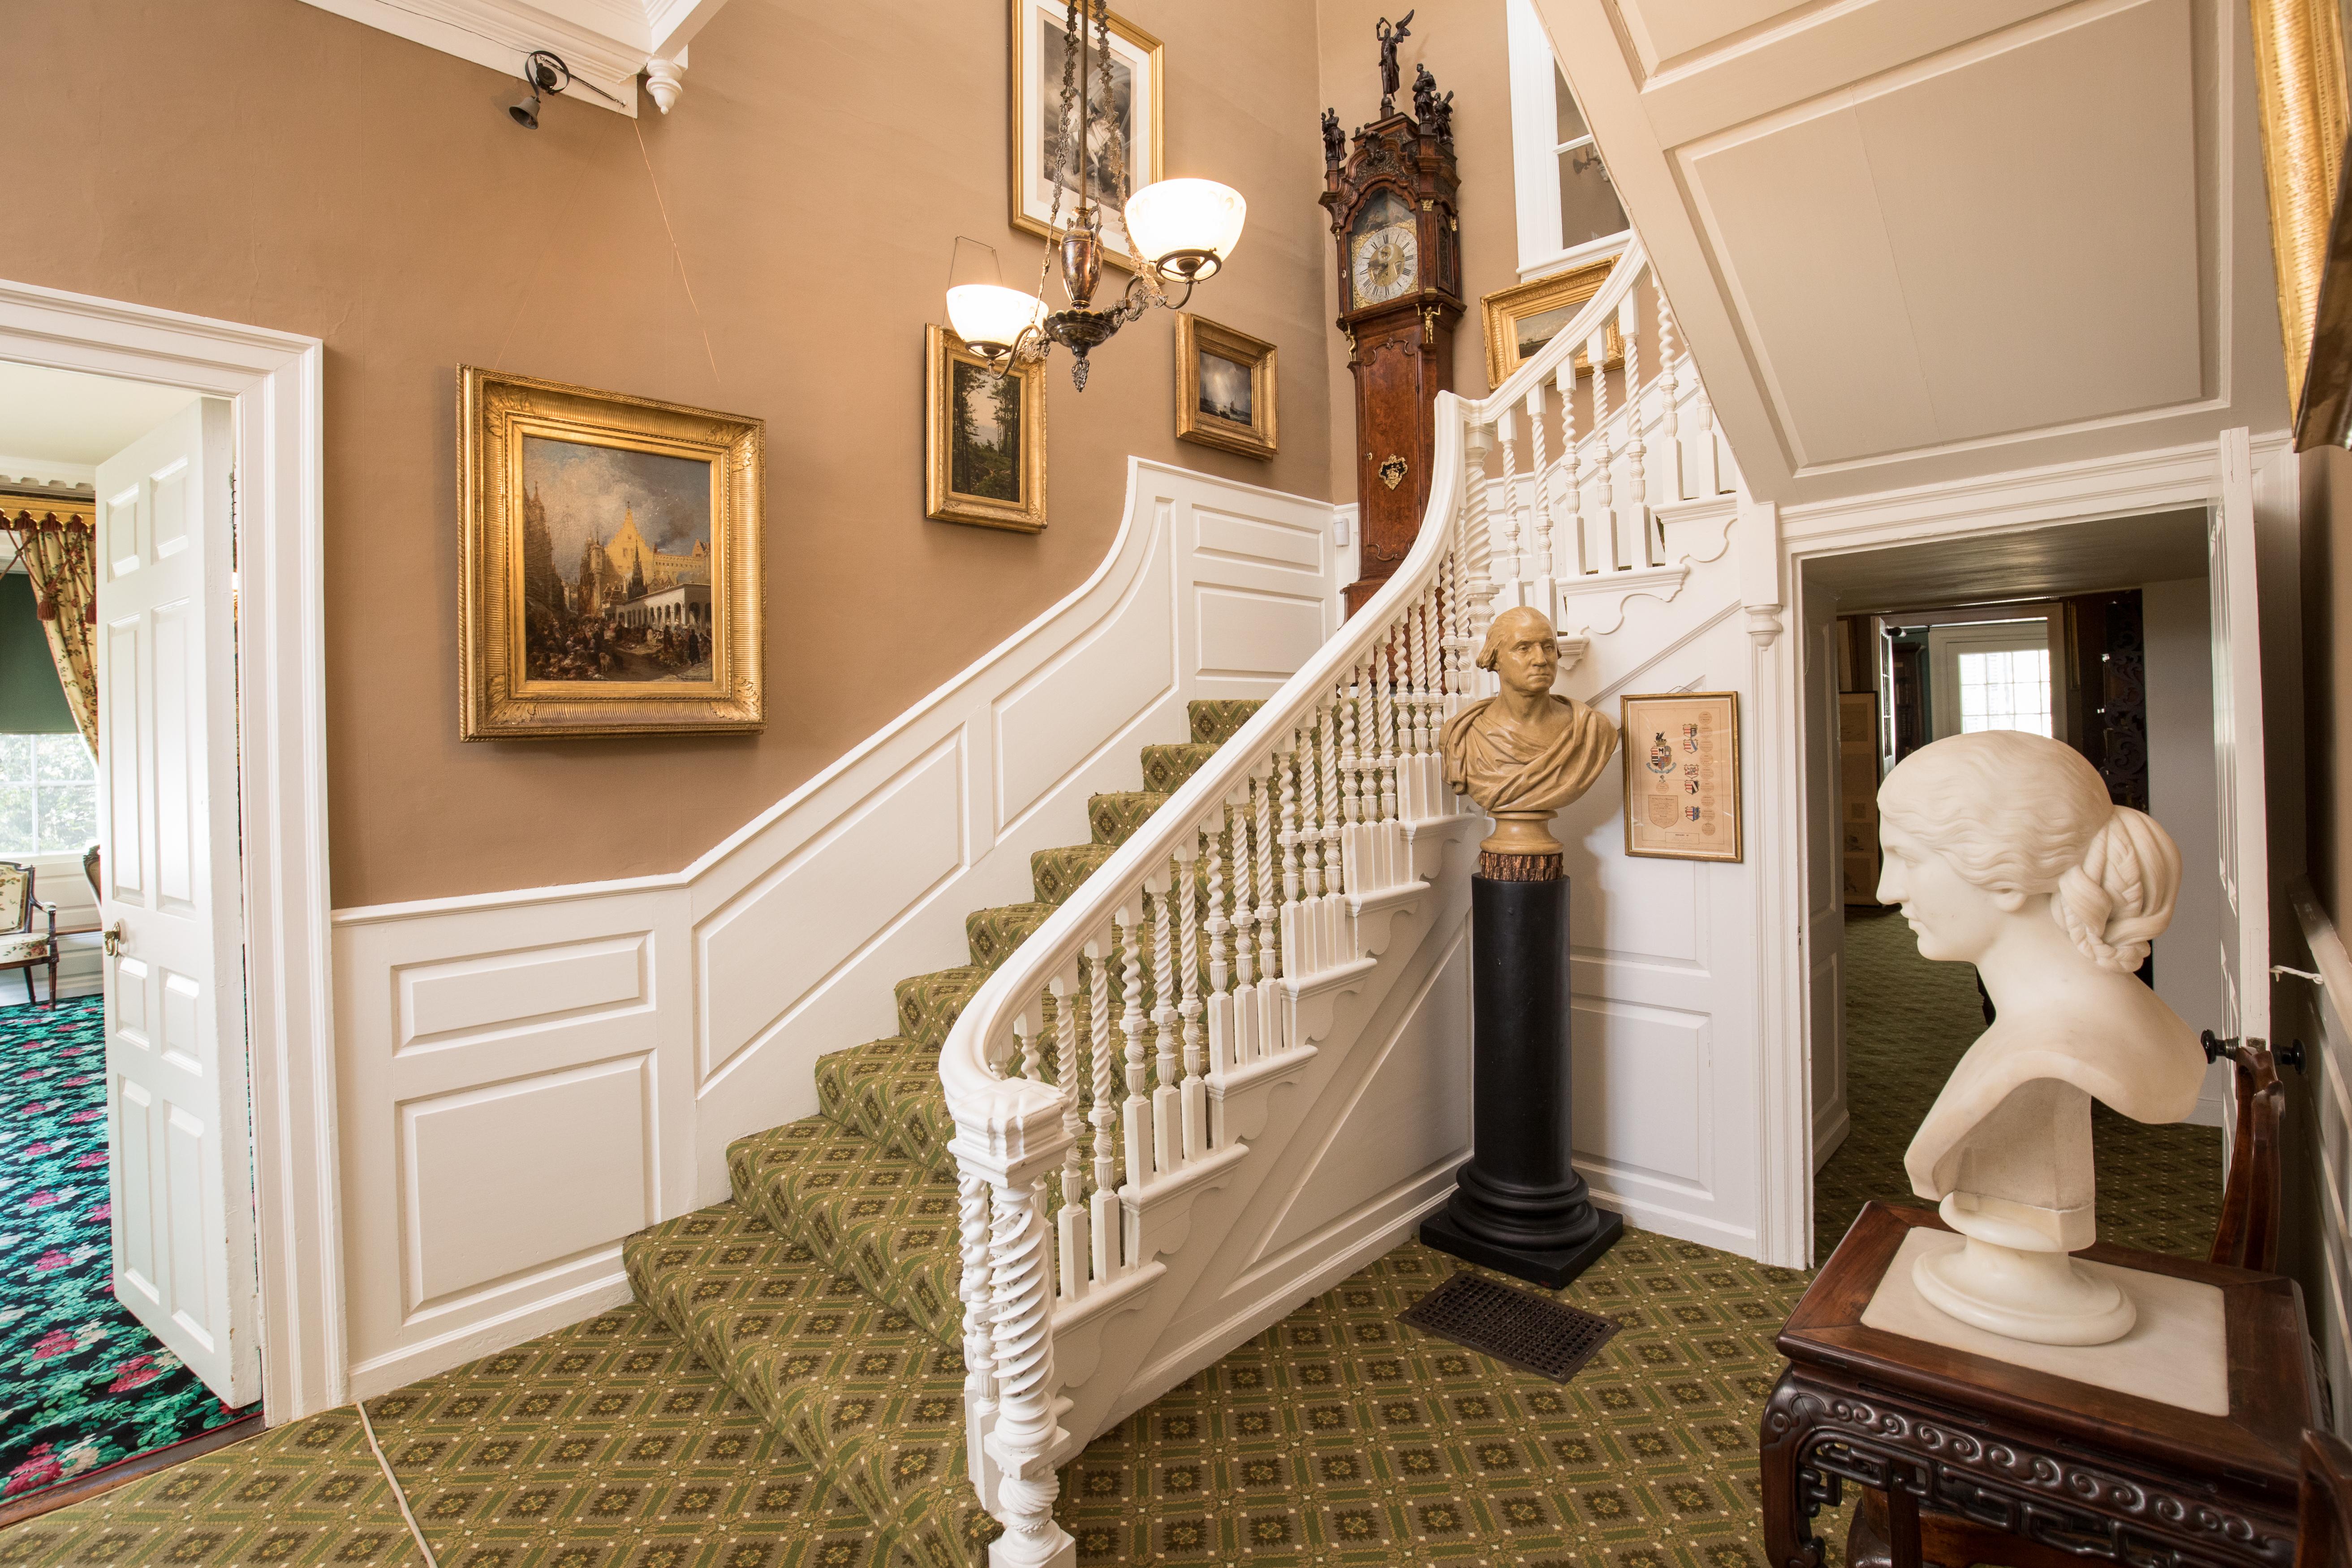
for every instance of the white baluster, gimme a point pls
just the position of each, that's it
(1194, 1093)
(1103, 1198)
(1294, 958)
(1578, 532)
(1068, 1077)
(1503, 569)
(978, 1304)
(1025, 1435)
(1535, 571)
(1605, 514)
(1387, 688)
(1268, 1025)
(1637, 480)
(1473, 543)
(1668, 373)
(1129, 939)
(1167, 1133)
(1221, 999)
(1247, 1043)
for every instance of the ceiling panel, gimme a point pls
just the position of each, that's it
(2033, 564)
(65, 417)
(1664, 30)
(2002, 237)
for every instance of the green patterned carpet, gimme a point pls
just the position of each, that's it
(1909, 1022)
(83, 1385)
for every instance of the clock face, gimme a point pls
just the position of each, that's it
(1386, 264)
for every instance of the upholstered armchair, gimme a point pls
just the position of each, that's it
(23, 944)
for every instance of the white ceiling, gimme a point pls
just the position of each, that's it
(2032, 563)
(1914, 240)
(63, 418)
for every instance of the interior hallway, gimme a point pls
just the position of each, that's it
(1908, 1021)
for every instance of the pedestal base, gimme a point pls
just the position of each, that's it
(1551, 1269)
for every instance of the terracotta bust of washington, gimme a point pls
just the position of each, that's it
(1524, 752)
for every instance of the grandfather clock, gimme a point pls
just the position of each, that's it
(1392, 204)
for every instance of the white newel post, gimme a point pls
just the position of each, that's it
(1007, 1139)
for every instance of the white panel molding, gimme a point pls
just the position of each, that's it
(2328, 1078)
(728, 979)
(607, 42)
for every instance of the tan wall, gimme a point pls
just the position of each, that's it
(2326, 576)
(1466, 48)
(265, 161)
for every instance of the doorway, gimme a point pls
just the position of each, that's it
(126, 1328)
(2099, 636)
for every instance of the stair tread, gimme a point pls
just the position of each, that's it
(1165, 767)
(1057, 873)
(929, 1004)
(870, 1400)
(1218, 719)
(1115, 814)
(888, 1090)
(886, 1219)
(994, 933)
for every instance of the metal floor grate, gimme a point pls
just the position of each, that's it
(1516, 1327)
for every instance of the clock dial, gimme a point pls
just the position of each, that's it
(1386, 263)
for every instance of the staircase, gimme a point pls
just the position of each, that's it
(826, 1293)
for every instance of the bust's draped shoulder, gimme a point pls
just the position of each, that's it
(1504, 767)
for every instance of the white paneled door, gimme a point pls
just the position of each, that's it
(2238, 749)
(175, 1045)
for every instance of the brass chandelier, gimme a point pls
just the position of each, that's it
(1179, 232)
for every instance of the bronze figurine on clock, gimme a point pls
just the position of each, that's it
(1393, 200)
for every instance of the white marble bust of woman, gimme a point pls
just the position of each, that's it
(2005, 852)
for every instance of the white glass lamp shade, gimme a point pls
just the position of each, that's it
(991, 313)
(1181, 216)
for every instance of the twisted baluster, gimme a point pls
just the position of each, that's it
(1104, 1113)
(1334, 724)
(1166, 1136)
(1246, 1037)
(1386, 689)
(1474, 539)
(1540, 467)
(1129, 940)
(1637, 480)
(1269, 910)
(1575, 459)
(1068, 1075)
(1668, 386)
(1293, 871)
(1020, 1323)
(1187, 969)
(979, 1299)
(1023, 1032)
(1597, 349)
(1221, 999)
(1505, 567)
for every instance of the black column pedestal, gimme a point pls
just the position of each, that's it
(1519, 1205)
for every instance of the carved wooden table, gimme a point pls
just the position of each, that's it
(2087, 1470)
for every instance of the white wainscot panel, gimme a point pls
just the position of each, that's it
(1411, 1112)
(1250, 634)
(1063, 714)
(762, 955)
(1632, 910)
(463, 999)
(1227, 536)
(509, 1177)
(1639, 1111)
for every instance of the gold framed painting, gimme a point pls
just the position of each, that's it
(984, 439)
(1225, 387)
(610, 580)
(1682, 775)
(1522, 318)
(1123, 128)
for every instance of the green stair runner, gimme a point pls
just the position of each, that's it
(824, 1294)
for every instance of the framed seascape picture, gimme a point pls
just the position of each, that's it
(610, 580)
(1225, 387)
(1682, 775)
(1122, 130)
(984, 439)
(1522, 318)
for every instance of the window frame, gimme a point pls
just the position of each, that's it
(34, 851)
(1536, 153)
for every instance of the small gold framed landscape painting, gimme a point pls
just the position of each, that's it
(984, 439)
(1522, 318)
(1682, 775)
(1122, 128)
(1225, 387)
(611, 579)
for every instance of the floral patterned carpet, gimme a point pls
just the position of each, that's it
(81, 1383)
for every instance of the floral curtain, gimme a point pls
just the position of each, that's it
(58, 553)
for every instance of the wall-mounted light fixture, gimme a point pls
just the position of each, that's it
(545, 71)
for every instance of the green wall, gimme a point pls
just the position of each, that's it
(32, 702)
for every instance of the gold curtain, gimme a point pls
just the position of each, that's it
(58, 553)
(2300, 81)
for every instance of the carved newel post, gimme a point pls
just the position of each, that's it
(2005, 851)
(1522, 754)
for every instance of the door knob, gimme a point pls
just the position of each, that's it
(114, 939)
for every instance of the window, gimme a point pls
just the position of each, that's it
(2008, 690)
(1567, 210)
(49, 796)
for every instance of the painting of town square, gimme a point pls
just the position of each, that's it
(615, 564)
(612, 546)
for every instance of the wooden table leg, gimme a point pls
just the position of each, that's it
(1902, 1528)
(1788, 1539)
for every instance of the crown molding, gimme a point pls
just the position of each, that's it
(608, 42)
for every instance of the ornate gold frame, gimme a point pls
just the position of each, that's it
(1504, 306)
(1113, 249)
(496, 700)
(1254, 439)
(2300, 87)
(1736, 812)
(941, 504)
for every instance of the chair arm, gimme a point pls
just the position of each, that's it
(51, 910)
